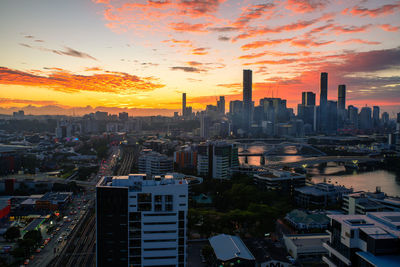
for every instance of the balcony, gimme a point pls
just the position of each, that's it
(336, 253)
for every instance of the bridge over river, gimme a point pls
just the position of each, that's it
(324, 159)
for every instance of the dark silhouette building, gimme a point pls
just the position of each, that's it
(247, 97)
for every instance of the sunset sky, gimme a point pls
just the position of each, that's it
(140, 55)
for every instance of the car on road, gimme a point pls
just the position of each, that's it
(38, 250)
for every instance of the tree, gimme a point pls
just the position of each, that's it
(12, 233)
(34, 235)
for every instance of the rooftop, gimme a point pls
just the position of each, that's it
(384, 260)
(140, 180)
(227, 247)
(300, 216)
(308, 240)
(322, 189)
(388, 222)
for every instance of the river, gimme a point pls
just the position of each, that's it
(333, 173)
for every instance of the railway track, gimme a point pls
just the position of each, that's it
(129, 157)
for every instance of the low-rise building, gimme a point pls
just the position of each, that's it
(307, 220)
(306, 247)
(320, 195)
(53, 201)
(283, 181)
(230, 250)
(362, 202)
(364, 240)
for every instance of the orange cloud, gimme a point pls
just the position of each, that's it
(199, 51)
(305, 6)
(389, 28)
(273, 62)
(187, 27)
(351, 29)
(360, 41)
(308, 43)
(65, 81)
(263, 43)
(254, 12)
(380, 11)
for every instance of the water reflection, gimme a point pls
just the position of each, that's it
(335, 174)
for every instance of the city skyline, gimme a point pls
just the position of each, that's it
(110, 57)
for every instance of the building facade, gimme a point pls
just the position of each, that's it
(141, 222)
(364, 240)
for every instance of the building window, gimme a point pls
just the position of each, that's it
(168, 207)
(144, 197)
(144, 207)
(168, 198)
(157, 198)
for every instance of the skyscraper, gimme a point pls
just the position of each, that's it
(221, 105)
(375, 116)
(247, 97)
(342, 97)
(183, 104)
(323, 100)
(341, 105)
(308, 99)
(365, 118)
(141, 222)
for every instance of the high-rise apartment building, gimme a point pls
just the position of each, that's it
(308, 99)
(323, 102)
(364, 240)
(216, 159)
(247, 97)
(141, 222)
(183, 104)
(154, 163)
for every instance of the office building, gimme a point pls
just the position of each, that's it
(221, 105)
(385, 118)
(364, 240)
(341, 106)
(323, 102)
(308, 99)
(282, 181)
(332, 117)
(375, 116)
(235, 107)
(183, 104)
(216, 159)
(247, 97)
(341, 97)
(154, 163)
(363, 202)
(141, 222)
(353, 116)
(365, 118)
(320, 195)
